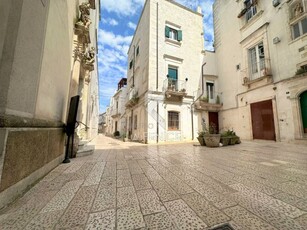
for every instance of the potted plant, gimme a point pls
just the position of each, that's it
(204, 99)
(212, 138)
(200, 138)
(230, 137)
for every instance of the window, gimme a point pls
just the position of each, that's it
(299, 28)
(256, 60)
(131, 64)
(135, 123)
(251, 10)
(210, 90)
(173, 120)
(173, 33)
(172, 77)
(137, 51)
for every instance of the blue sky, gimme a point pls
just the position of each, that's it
(116, 28)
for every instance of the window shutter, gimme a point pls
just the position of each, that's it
(167, 30)
(179, 35)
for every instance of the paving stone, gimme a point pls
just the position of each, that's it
(183, 216)
(74, 166)
(293, 200)
(159, 221)
(105, 199)
(279, 205)
(208, 213)
(140, 182)
(270, 215)
(164, 191)
(246, 219)
(102, 220)
(84, 171)
(152, 174)
(129, 218)
(124, 178)
(126, 197)
(302, 220)
(95, 175)
(77, 212)
(144, 164)
(63, 197)
(107, 182)
(178, 185)
(45, 220)
(149, 202)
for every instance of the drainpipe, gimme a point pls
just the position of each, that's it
(202, 93)
(157, 70)
(133, 72)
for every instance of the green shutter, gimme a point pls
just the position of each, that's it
(167, 30)
(179, 35)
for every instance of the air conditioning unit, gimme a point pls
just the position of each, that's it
(276, 3)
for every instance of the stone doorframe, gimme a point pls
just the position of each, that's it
(295, 92)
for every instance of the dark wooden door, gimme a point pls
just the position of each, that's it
(214, 120)
(263, 120)
(303, 101)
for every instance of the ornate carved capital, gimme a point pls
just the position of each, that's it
(88, 59)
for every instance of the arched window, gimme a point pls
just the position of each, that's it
(303, 103)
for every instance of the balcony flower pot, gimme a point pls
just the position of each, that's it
(200, 138)
(212, 140)
(225, 140)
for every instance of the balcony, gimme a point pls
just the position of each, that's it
(212, 102)
(133, 98)
(115, 113)
(256, 72)
(174, 89)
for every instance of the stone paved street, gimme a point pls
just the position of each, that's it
(254, 185)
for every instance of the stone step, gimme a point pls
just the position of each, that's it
(86, 150)
(83, 142)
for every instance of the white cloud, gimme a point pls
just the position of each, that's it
(110, 21)
(122, 7)
(131, 25)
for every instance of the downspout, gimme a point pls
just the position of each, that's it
(133, 70)
(157, 70)
(202, 93)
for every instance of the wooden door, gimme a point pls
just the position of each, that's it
(214, 120)
(303, 102)
(263, 120)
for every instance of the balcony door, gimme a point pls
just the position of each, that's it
(173, 78)
(210, 92)
(256, 61)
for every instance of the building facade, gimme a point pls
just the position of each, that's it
(164, 73)
(41, 63)
(117, 109)
(262, 61)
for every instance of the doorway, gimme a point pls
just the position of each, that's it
(303, 103)
(263, 120)
(214, 121)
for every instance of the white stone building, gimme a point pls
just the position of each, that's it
(45, 56)
(164, 73)
(117, 108)
(261, 51)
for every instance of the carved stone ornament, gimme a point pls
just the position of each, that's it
(83, 24)
(88, 60)
(92, 3)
